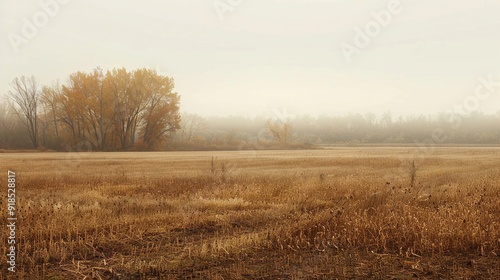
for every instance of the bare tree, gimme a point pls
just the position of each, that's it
(386, 119)
(25, 95)
(12, 132)
(49, 100)
(5, 123)
(191, 124)
(280, 130)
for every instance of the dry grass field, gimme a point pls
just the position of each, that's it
(352, 213)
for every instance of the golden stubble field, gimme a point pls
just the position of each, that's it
(320, 214)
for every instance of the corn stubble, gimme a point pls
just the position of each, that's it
(348, 213)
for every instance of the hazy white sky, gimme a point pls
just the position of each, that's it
(258, 56)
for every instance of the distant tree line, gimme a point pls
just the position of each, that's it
(473, 128)
(352, 129)
(98, 111)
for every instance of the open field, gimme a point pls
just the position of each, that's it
(320, 214)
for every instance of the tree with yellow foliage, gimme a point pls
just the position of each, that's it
(116, 110)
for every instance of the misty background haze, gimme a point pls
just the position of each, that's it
(267, 55)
